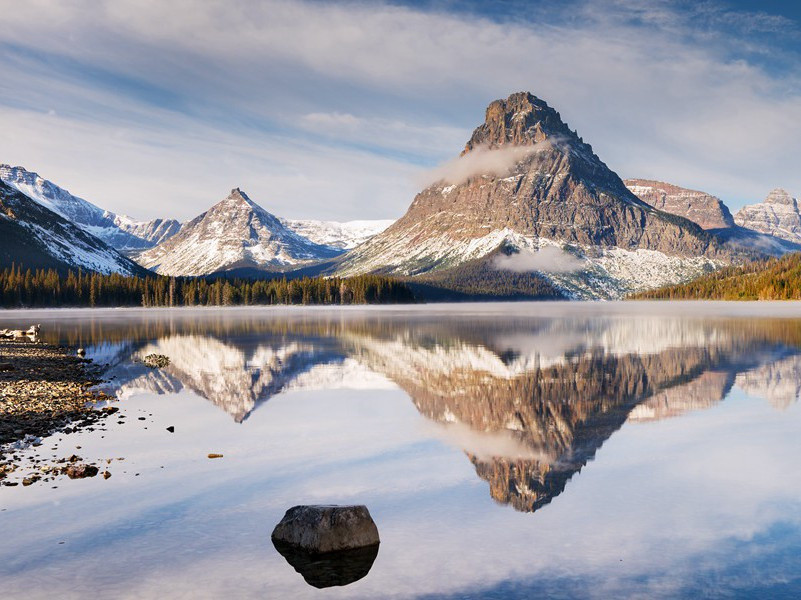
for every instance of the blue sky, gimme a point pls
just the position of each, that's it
(338, 110)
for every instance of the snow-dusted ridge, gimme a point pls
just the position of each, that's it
(341, 235)
(118, 231)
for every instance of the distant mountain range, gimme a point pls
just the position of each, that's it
(526, 195)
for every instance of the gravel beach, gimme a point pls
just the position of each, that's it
(44, 388)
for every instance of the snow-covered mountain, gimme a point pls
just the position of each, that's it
(119, 231)
(340, 235)
(526, 181)
(235, 233)
(34, 236)
(778, 216)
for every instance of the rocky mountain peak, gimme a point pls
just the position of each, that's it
(777, 216)
(522, 119)
(780, 196)
(238, 196)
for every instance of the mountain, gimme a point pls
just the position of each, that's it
(234, 234)
(777, 216)
(121, 232)
(335, 234)
(35, 237)
(707, 211)
(526, 182)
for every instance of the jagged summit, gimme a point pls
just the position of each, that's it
(522, 119)
(781, 196)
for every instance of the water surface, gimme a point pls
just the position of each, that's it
(504, 450)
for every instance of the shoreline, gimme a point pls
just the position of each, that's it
(44, 390)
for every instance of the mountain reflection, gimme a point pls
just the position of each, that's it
(529, 401)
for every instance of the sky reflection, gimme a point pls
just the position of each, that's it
(645, 457)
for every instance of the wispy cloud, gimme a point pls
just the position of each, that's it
(497, 162)
(548, 259)
(333, 109)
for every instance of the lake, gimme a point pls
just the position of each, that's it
(567, 450)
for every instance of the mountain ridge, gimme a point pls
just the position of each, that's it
(119, 231)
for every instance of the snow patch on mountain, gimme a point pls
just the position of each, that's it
(336, 234)
(606, 273)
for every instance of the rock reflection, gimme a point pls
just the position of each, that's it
(530, 402)
(330, 568)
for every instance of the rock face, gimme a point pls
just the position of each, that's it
(526, 180)
(118, 231)
(235, 233)
(777, 216)
(327, 528)
(36, 237)
(707, 211)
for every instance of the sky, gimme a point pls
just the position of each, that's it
(338, 110)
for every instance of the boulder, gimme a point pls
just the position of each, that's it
(327, 528)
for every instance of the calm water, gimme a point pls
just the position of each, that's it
(505, 451)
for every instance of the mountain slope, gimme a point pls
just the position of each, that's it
(36, 237)
(777, 216)
(118, 231)
(340, 235)
(525, 180)
(235, 233)
(707, 211)
(774, 279)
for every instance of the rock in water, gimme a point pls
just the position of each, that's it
(80, 471)
(156, 361)
(329, 568)
(327, 528)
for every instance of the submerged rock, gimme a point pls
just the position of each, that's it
(155, 361)
(81, 470)
(329, 569)
(327, 528)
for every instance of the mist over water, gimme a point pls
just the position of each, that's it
(504, 450)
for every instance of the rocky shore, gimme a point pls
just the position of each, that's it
(44, 389)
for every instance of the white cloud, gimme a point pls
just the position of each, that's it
(480, 161)
(548, 259)
(657, 95)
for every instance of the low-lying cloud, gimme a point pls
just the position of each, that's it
(481, 161)
(549, 259)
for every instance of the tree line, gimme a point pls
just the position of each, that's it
(772, 279)
(42, 288)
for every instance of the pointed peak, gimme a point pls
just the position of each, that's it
(237, 194)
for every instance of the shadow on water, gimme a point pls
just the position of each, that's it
(329, 569)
